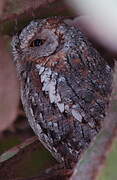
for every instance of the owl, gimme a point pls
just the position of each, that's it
(65, 86)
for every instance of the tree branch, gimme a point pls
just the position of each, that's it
(20, 12)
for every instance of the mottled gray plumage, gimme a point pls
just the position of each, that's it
(65, 86)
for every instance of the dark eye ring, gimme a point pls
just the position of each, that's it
(37, 42)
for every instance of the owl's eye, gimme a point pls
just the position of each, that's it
(37, 42)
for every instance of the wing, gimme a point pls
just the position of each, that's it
(67, 107)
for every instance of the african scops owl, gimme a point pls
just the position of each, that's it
(65, 86)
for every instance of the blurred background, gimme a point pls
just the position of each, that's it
(21, 154)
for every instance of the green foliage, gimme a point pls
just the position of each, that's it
(109, 172)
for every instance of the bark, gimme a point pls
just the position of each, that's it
(17, 13)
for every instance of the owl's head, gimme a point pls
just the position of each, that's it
(48, 42)
(39, 39)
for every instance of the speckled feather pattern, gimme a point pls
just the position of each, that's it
(65, 86)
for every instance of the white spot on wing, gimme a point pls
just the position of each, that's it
(76, 114)
(52, 91)
(39, 128)
(61, 107)
(41, 68)
(31, 111)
